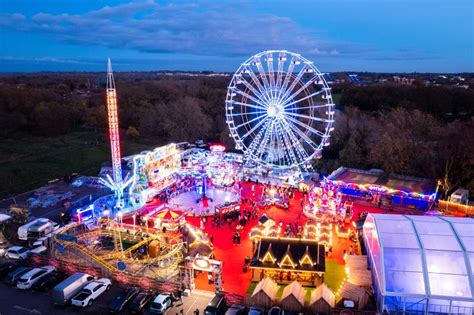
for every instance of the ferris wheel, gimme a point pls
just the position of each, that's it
(279, 110)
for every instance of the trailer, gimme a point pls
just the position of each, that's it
(36, 229)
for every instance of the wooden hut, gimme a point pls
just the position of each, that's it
(350, 291)
(292, 299)
(265, 293)
(322, 300)
(357, 271)
(289, 259)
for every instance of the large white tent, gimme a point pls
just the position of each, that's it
(421, 263)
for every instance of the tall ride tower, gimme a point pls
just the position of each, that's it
(117, 183)
(112, 110)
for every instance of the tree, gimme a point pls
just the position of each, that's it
(132, 133)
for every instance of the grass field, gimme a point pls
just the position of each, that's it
(28, 162)
(335, 274)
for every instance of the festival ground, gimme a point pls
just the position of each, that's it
(233, 256)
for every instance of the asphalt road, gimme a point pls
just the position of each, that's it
(19, 302)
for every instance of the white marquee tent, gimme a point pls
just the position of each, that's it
(420, 263)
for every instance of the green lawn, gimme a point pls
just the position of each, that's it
(335, 274)
(28, 162)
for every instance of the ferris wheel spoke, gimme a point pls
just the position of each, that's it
(288, 144)
(263, 74)
(244, 113)
(281, 63)
(250, 121)
(305, 126)
(259, 95)
(288, 75)
(301, 89)
(293, 84)
(302, 152)
(285, 105)
(271, 74)
(236, 90)
(310, 117)
(253, 147)
(257, 125)
(301, 133)
(257, 82)
(266, 134)
(247, 105)
(314, 106)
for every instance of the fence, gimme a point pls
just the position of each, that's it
(121, 278)
(455, 208)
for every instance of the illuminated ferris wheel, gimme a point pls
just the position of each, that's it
(279, 110)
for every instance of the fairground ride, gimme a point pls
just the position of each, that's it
(279, 110)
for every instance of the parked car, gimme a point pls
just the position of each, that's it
(65, 290)
(256, 310)
(236, 309)
(140, 302)
(28, 279)
(216, 305)
(6, 268)
(91, 292)
(275, 311)
(48, 281)
(40, 250)
(16, 252)
(161, 303)
(125, 296)
(13, 276)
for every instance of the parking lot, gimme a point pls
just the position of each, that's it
(21, 302)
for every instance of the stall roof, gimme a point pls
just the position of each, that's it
(289, 254)
(379, 177)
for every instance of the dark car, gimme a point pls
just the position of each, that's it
(216, 306)
(12, 277)
(48, 281)
(122, 299)
(6, 268)
(140, 301)
(237, 309)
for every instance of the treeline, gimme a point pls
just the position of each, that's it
(411, 130)
(444, 102)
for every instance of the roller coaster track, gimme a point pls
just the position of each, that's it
(167, 263)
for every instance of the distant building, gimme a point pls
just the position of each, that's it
(385, 189)
(403, 80)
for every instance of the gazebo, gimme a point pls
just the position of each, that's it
(265, 293)
(292, 299)
(322, 300)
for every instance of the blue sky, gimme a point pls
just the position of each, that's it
(338, 35)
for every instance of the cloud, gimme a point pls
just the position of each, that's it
(44, 60)
(186, 28)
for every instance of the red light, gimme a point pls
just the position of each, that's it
(217, 148)
(144, 283)
(121, 278)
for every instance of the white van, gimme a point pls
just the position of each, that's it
(28, 279)
(460, 196)
(64, 291)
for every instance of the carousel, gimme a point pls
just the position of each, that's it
(325, 205)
